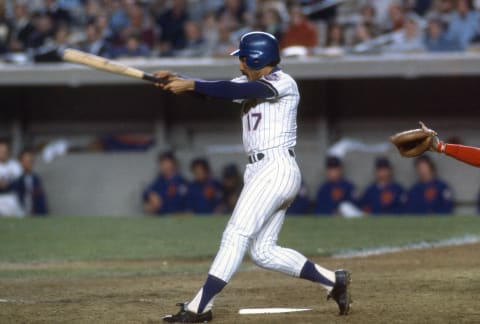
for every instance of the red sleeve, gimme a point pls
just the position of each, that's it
(467, 154)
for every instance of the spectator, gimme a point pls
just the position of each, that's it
(195, 45)
(52, 50)
(30, 188)
(210, 31)
(58, 15)
(300, 31)
(90, 12)
(94, 43)
(172, 34)
(42, 32)
(204, 193)
(408, 40)
(361, 34)
(445, 9)
(139, 24)
(5, 30)
(118, 16)
(132, 48)
(420, 7)
(335, 190)
(429, 195)
(336, 35)
(436, 39)
(301, 204)
(22, 27)
(464, 25)
(225, 44)
(10, 171)
(166, 194)
(271, 22)
(396, 18)
(368, 18)
(231, 188)
(384, 196)
(232, 14)
(103, 28)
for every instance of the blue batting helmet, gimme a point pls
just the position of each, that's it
(259, 49)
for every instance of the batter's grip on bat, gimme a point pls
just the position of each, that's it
(152, 78)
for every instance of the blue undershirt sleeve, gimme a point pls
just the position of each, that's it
(234, 90)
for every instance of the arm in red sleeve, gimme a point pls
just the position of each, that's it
(466, 154)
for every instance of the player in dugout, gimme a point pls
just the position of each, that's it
(335, 190)
(166, 194)
(384, 195)
(30, 189)
(430, 195)
(204, 193)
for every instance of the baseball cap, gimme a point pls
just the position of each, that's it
(333, 162)
(168, 155)
(382, 162)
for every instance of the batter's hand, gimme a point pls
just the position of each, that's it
(178, 86)
(166, 75)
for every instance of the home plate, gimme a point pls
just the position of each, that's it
(273, 310)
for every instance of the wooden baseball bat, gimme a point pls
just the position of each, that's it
(101, 63)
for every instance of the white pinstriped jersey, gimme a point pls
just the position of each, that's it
(271, 123)
(10, 171)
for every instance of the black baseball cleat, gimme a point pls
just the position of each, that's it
(185, 316)
(340, 292)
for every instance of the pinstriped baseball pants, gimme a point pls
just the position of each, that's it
(270, 185)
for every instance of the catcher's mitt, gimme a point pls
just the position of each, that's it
(415, 142)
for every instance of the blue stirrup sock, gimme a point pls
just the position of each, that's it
(204, 298)
(316, 273)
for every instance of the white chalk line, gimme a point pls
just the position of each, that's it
(455, 241)
(16, 301)
(271, 310)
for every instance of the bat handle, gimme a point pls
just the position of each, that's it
(154, 79)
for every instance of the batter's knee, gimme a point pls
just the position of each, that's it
(234, 238)
(261, 254)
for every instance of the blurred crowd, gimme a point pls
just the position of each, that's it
(40, 29)
(171, 193)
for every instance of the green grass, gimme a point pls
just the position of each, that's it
(100, 238)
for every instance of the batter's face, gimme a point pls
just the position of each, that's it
(251, 74)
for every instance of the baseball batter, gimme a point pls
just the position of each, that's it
(269, 99)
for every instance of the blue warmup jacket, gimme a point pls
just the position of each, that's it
(172, 191)
(389, 199)
(434, 197)
(203, 197)
(331, 194)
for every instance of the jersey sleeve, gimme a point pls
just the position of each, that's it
(240, 79)
(280, 83)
